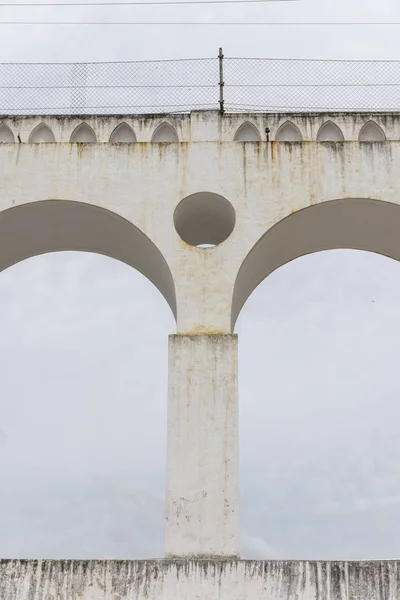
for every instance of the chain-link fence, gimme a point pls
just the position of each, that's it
(174, 86)
(291, 85)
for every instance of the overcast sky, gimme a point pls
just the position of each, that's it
(82, 416)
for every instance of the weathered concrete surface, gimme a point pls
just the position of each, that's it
(202, 446)
(194, 580)
(209, 126)
(142, 183)
(267, 202)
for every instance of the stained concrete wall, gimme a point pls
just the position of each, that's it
(144, 182)
(207, 126)
(191, 580)
(268, 202)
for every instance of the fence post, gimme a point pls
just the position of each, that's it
(221, 82)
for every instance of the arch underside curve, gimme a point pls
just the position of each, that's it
(350, 223)
(63, 225)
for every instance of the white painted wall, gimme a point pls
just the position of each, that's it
(284, 200)
(144, 182)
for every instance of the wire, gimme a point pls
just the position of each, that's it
(116, 87)
(311, 60)
(211, 59)
(210, 87)
(186, 23)
(42, 4)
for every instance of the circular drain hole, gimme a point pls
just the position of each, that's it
(204, 219)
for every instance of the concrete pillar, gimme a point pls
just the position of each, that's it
(202, 455)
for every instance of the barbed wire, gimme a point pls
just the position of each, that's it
(176, 86)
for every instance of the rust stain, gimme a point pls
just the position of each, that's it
(259, 148)
(273, 144)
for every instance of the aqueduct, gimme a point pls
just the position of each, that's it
(205, 206)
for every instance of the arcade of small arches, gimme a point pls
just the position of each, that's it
(166, 133)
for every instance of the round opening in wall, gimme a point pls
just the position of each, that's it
(204, 219)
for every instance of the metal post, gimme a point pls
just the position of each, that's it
(221, 81)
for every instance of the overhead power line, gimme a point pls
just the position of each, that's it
(159, 3)
(196, 23)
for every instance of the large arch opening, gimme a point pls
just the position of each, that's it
(83, 380)
(319, 411)
(58, 225)
(349, 223)
(319, 429)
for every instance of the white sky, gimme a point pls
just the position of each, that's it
(82, 417)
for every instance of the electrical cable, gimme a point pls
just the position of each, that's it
(151, 3)
(195, 23)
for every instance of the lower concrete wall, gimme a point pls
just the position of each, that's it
(198, 579)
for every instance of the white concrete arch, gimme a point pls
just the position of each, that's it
(55, 225)
(123, 133)
(330, 132)
(6, 135)
(165, 133)
(83, 134)
(247, 132)
(371, 132)
(41, 133)
(288, 132)
(348, 223)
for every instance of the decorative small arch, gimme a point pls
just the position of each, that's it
(42, 134)
(165, 133)
(371, 132)
(247, 132)
(330, 132)
(123, 133)
(83, 134)
(288, 132)
(6, 135)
